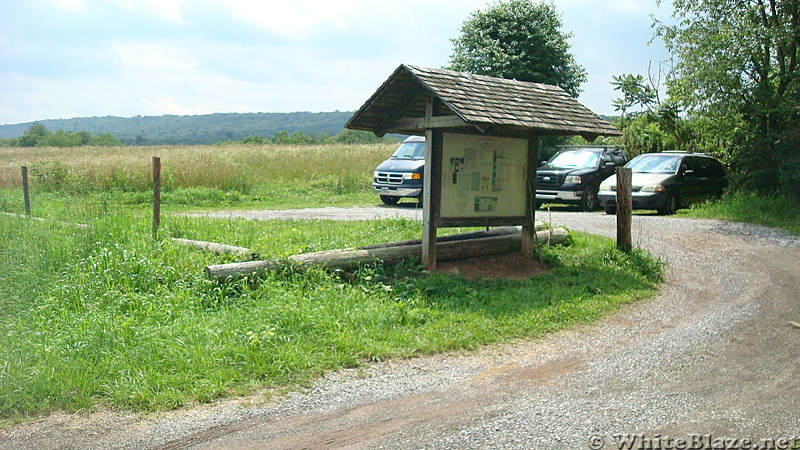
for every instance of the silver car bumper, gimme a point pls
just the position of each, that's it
(555, 196)
(397, 192)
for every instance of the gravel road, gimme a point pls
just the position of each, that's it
(713, 354)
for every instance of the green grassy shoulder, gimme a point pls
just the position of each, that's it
(106, 317)
(771, 211)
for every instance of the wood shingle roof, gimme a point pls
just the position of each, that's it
(474, 100)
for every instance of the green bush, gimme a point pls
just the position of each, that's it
(37, 135)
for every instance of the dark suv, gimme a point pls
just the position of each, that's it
(668, 181)
(574, 174)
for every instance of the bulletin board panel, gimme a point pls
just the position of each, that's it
(484, 177)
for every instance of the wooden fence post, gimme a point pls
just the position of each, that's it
(25, 191)
(624, 208)
(156, 195)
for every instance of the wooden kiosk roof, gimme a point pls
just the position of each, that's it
(474, 101)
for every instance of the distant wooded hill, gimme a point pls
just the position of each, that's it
(202, 129)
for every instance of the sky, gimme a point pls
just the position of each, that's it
(81, 58)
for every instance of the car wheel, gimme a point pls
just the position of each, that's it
(590, 201)
(390, 199)
(670, 206)
(610, 209)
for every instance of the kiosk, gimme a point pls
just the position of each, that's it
(482, 137)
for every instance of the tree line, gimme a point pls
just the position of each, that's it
(299, 137)
(195, 130)
(732, 86)
(37, 135)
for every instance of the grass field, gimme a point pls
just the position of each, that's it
(108, 317)
(269, 176)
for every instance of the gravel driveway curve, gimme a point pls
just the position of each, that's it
(713, 356)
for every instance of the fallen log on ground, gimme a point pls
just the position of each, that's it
(499, 231)
(203, 245)
(348, 259)
(218, 248)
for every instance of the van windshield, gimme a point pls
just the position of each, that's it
(410, 150)
(654, 164)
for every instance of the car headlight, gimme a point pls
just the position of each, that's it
(412, 176)
(570, 179)
(654, 188)
(375, 174)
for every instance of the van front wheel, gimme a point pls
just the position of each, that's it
(390, 199)
(670, 205)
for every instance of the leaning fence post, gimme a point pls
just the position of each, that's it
(156, 195)
(25, 191)
(624, 208)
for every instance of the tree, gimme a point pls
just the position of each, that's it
(655, 125)
(60, 138)
(35, 133)
(518, 39)
(635, 92)
(737, 65)
(104, 140)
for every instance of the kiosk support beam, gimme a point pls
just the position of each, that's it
(432, 188)
(528, 231)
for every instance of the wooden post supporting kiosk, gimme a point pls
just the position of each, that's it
(481, 136)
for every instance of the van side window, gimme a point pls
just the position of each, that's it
(716, 169)
(702, 167)
(686, 164)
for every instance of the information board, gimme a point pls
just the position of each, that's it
(483, 176)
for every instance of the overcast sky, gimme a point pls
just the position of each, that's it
(79, 58)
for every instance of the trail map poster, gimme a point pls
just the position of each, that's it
(483, 176)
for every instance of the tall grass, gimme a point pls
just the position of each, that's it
(200, 173)
(107, 317)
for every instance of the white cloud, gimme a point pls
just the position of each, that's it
(154, 55)
(301, 19)
(166, 10)
(628, 6)
(70, 5)
(633, 6)
(296, 20)
(168, 56)
(166, 105)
